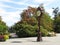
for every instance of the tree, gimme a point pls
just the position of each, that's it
(28, 25)
(57, 23)
(55, 11)
(47, 22)
(3, 27)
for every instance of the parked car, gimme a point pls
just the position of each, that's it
(13, 35)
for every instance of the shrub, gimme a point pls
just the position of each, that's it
(44, 31)
(6, 37)
(27, 31)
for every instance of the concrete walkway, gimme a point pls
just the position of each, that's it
(32, 41)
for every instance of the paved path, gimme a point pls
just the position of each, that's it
(32, 41)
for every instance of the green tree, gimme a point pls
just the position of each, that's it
(47, 22)
(57, 23)
(56, 19)
(3, 27)
(29, 25)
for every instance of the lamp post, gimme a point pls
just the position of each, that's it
(40, 10)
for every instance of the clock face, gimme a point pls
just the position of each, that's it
(38, 13)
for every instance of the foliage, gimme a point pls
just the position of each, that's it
(6, 37)
(44, 31)
(25, 30)
(28, 25)
(47, 22)
(57, 24)
(3, 27)
(56, 20)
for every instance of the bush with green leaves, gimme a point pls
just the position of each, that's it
(26, 30)
(44, 31)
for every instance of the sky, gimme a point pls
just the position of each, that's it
(10, 10)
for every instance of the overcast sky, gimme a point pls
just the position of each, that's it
(10, 9)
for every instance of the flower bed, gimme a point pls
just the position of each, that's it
(4, 37)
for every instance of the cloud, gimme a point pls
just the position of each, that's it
(42, 1)
(50, 11)
(11, 17)
(23, 2)
(3, 5)
(11, 1)
(45, 2)
(6, 0)
(2, 12)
